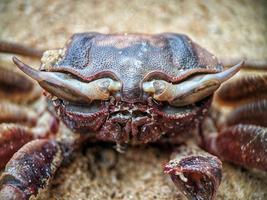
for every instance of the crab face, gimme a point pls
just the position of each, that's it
(130, 87)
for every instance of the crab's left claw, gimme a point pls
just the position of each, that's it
(196, 173)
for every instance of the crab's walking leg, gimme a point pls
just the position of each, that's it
(196, 173)
(11, 87)
(30, 169)
(242, 133)
(14, 136)
(242, 137)
(249, 63)
(14, 48)
(242, 144)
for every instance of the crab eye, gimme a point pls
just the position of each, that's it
(190, 91)
(66, 87)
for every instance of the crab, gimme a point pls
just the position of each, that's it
(130, 89)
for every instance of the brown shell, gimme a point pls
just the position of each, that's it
(132, 58)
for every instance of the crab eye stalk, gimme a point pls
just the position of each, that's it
(64, 86)
(190, 91)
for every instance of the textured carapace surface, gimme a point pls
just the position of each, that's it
(131, 59)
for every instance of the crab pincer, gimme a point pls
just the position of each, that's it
(196, 173)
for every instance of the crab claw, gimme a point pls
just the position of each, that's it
(66, 87)
(189, 91)
(196, 173)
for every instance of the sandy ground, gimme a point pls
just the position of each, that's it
(226, 28)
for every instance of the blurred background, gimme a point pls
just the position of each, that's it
(228, 29)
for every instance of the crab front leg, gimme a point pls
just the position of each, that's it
(30, 169)
(242, 139)
(195, 172)
(14, 136)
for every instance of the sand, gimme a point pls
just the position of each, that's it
(226, 28)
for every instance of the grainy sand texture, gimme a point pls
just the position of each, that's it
(226, 28)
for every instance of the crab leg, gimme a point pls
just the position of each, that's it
(13, 89)
(196, 173)
(13, 113)
(242, 138)
(14, 136)
(249, 63)
(30, 169)
(242, 144)
(14, 48)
